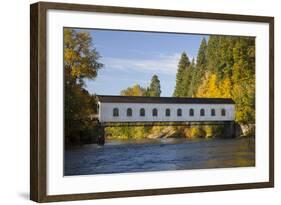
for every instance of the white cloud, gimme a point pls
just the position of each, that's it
(161, 63)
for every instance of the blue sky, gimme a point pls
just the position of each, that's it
(131, 58)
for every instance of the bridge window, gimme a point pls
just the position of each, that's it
(223, 112)
(142, 112)
(213, 112)
(191, 112)
(179, 112)
(154, 112)
(202, 112)
(115, 112)
(168, 112)
(129, 112)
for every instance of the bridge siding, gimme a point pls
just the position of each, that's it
(106, 112)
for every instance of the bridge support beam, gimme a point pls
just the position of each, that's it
(101, 135)
(230, 129)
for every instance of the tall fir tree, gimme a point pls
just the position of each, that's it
(190, 80)
(154, 90)
(201, 56)
(201, 65)
(183, 65)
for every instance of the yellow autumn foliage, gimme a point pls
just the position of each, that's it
(210, 88)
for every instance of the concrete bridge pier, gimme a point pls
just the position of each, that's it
(230, 129)
(101, 135)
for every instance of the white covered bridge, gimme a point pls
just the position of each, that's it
(132, 109)
(139, 111)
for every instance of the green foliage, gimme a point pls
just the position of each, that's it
(80, 63)
(188, 80)
(225, 67)
(190, 74)
(154, 90)
(183, 65)
(200, 67)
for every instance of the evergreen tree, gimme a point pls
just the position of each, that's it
(182, 68)
(243, 79)
(201, 56)
(229, 71)
(154, 88)
(190, 79)
(200, 67)
(212, 54)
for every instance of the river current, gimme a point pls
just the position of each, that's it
(125, 156)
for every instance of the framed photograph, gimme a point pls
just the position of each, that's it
(135, 102)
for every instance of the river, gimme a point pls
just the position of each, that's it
(124, 156)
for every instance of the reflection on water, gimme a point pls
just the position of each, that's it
(159, 155)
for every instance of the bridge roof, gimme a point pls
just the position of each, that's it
(164, 100)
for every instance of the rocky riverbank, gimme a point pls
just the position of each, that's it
(196, 131)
